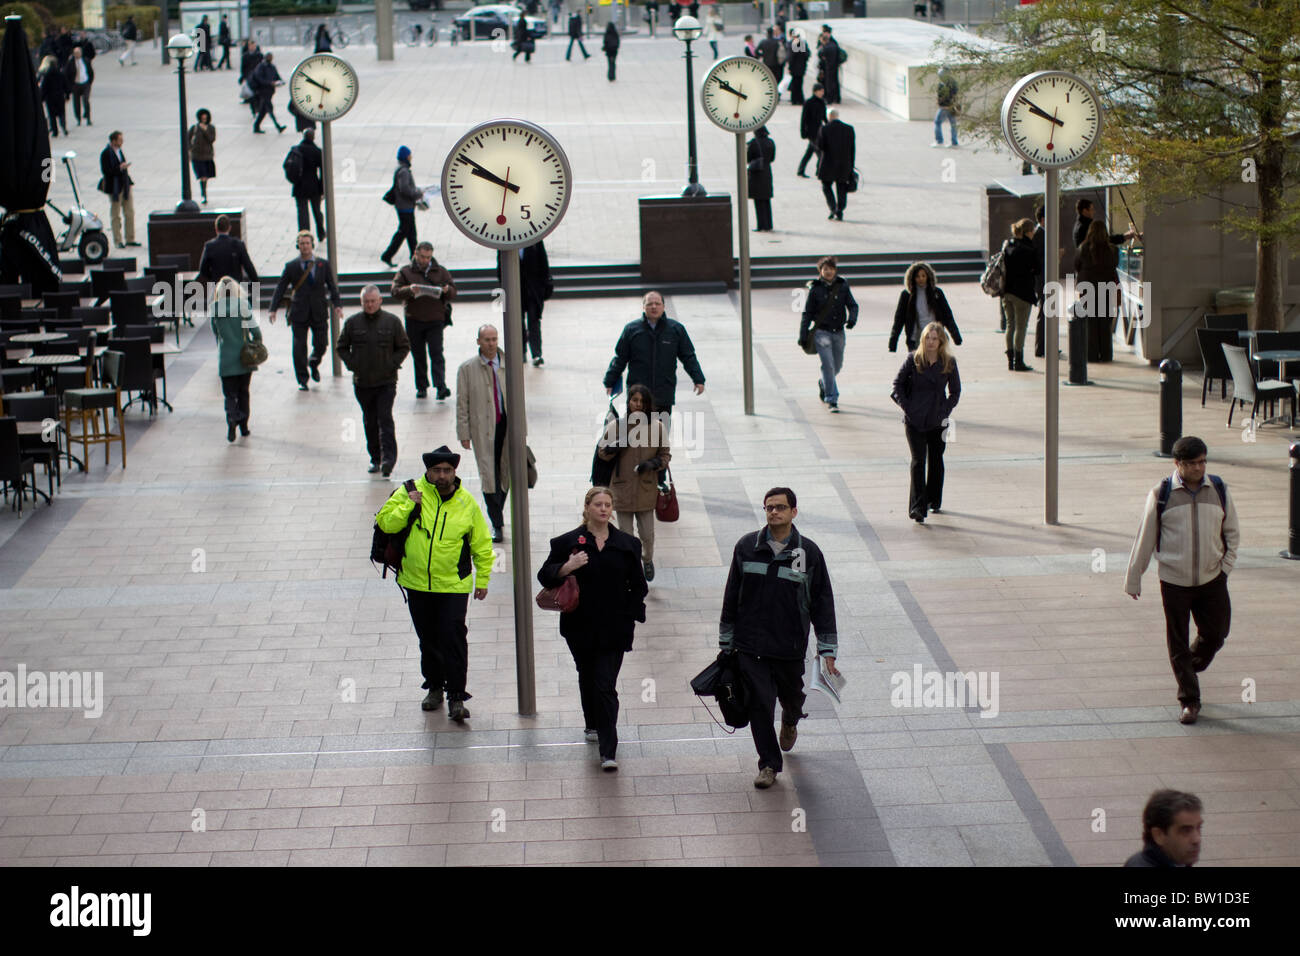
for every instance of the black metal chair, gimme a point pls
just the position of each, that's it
(172, 308)
(39, 408)
(72, 267)
(80, 286)
(77, 376)
(14, 465)
(181, 260)
(104, 281)
(119, 263)
(93, 315)
(1226, 320)
(17, 379)
(1246, 388)
(157, 335)
(10, 306)
(22, 290)
(137, 373)
(20, 326)
(1214, 363)
(62, 303)
(39, 316)
(88, 403)
(128, 308)
(143, 284)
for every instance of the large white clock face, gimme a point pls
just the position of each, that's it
(739, 94)
(506, 183)
(1052, 119)
(323, 87)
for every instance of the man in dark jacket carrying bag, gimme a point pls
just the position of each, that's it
(373, 346)
(828, 310)
(778, 586)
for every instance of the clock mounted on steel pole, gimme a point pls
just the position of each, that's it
(323, 87)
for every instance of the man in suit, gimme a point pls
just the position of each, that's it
(79, 74)
(811, 121)
(535, 287)
(1083, 209)
(225, 256)
(310, 285)
(117, 183)
(836, 168)
(309, 187)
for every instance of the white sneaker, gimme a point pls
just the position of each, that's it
(591, 736)
(609, 764)
(936, 145)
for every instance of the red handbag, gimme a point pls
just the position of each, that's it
(563, 599)
(666, 505)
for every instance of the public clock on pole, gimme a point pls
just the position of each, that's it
(739, 94)
(323, 87)
(506, 183)
(1052, 119)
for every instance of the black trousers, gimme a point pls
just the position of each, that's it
(264, 110)
(577, 40)
(808, 154)
(58, 117)
(405, 230)
(224, 62)
(763, 214)
(314, 205)
(927, 469)
(835, 200)
(81, 101)
(1211, 609)
(611, 57)
(597, 682)
(769, 680)
(376, 403)
(439, 621)
(426, 353)
(320, 337)
(496, 500)
(235, 388)
(1040, 330)
(796, 89)
(532, 313)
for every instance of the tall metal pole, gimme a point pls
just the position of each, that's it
(332, 247)
(693, 187)
(525, 671)
(1051, 348)
(187, 200)
(746, 323)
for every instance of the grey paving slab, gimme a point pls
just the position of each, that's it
(933, 846)
(1003, 844)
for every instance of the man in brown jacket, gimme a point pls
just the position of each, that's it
(481, 423)
(427, 290)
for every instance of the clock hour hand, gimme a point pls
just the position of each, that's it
(1039, 111)
(482, 173)
(314, 83)
(723, 84)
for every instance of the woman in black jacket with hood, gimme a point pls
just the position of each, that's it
(920, 303)
(927, 388)
(1019, 293)
(610, 46)
(760, 154)
(606, 563)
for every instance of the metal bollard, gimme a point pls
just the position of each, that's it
(1171, 406)
(1293, 534)
(1077, 343)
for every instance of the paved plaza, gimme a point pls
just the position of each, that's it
(256, 668)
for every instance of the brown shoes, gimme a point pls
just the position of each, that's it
(789, 734)
(1189, 714)
(766, 777)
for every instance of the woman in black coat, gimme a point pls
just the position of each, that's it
(606, 563)
(760, 153)
(323, 44)
(1018, 294)
(920, 303)
(927, 388)
(54, 93)
(1096, 269)
(523, 41)
(610, 46)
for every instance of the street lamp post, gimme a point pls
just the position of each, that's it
(182, 47)
(688, 29)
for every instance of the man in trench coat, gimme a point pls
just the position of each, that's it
(481, 423)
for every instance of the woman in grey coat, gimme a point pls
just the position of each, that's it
(234, 326)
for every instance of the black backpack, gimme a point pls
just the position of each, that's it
(387, 550)
(293, 166)
(1167, 488)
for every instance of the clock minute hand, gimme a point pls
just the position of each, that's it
(482, 173)
(1039, 111)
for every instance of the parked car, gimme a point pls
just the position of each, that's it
(486, 20)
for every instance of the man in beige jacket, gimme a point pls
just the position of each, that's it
(1190, 525)
(481, 423)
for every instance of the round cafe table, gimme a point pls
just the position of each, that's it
(28, 337)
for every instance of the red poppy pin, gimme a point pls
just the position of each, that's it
(582, 539)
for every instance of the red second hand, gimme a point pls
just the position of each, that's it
(505, 191)
(1053, 136)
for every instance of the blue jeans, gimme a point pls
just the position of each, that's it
(952, 125)
(830, 349)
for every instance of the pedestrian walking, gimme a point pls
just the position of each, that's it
(798, 64)
(305, 173)
(426, 288)
(234, 326)
(79, 76)
(638, 446)
(116, 183)
(772, 53)
(714, 27)
(575, 36)
(249, 60)
(523, 41)
(1020, 266)
(920, 303)
(373, 346)
(535, 287)
(323, 44)
(750, 49)
(777, 587)
(481, 423)
(265, 79)
(405, 196)
(225, 41)
(1171, 831)
(927, 389)
(760, 153)
(307, 283)
(130, 33)
(1096, 269)
(1190, 525)
(610, 46)
(203, 44)
(946, 99)
(650, 348)
(54, 94)
(829, 58)
(225, 256)
(448, 554)
(811, 121)
(603, 561)
(835, 168)
(829, 308)
(202, 136)
(1039, 240)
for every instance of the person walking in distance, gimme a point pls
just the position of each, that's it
(80, 76)
(225, 41)
(373, 346)
(233, 325)
(778, 587)
(603, 561)
(303, 168)
(203, 45)
(650, 348)
(308, 284)
(1018, 294)
(828, 309)
(523, 41)
(760, 153)
(610, 46)
(203, 155)
(829, 58)
(481, 423)
(638, 446)
(927, 389)
(448, 554)
(836, 167)
(713, 27)
(130, 33)
(811, 121)
(54, 94)
(406, 195)
(1171, 831)
(575, 36)
(1039, 239)
(249, 61)
(920, 303)
(1190, 525)
(798, 64)
(224, 255)
(535, 287)
(426, 288)
(264, 81)
(117, 182)
(770, 52)
(946, 98)
(323, 43)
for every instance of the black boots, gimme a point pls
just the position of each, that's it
(1011, 361)
(1020, 365)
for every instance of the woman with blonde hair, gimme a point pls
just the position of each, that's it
(234, 326)
(54, 93)
(927, 389)
(606, 563)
